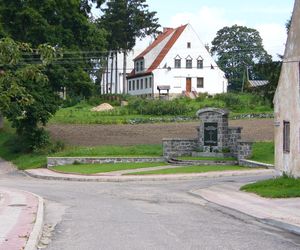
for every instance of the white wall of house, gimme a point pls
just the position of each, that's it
(130, 66)
(287, 103)
(214, 80)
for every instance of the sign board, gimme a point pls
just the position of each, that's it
(210, 134)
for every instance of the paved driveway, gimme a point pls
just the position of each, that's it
(145, 215)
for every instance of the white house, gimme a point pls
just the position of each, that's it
(287, 103)
(177, 60)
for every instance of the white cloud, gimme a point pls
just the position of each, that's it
(274, 38)
(207, 21)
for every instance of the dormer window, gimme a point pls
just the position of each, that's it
(139, 66)
(177, 62)
(199, 62)
(189, 45)
(189, 62)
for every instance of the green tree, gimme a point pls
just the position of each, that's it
(270, 72)
(237, 48)
(127, 20)
(62, 23)
(26, 97)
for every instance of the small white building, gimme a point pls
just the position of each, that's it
(177, 60)
(287, 103)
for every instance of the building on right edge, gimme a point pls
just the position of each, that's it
(287, 103)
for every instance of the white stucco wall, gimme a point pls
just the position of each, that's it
(287, 101)
(166, 73)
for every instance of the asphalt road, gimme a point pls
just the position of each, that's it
(144, 215)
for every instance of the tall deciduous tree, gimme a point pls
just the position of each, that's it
(270, 72)
(127, 20)
(62, 23)
(26, 97)
(237, 48)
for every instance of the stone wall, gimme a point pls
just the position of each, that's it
(244, 149)
(234, 135)
(179, 147)
(59, 161)
(218, 116)
(254, 164)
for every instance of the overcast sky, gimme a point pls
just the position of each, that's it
(208, 16)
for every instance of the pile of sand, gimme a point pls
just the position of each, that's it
(102, 107)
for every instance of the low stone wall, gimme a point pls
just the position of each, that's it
(254, 164)
(178, 147)
(244, 149)
(59, 161)
(234, 135)
(211, 154)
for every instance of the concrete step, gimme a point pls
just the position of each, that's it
(175, 161)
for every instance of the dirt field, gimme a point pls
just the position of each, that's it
(92, 135)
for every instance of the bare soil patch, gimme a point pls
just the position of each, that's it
(93, 135)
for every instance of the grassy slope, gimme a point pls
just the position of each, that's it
(275, 188)
(102, 168)
(102, 151)
(27, 161)
(263, 152)
(23, 161)
(189, 170)
(81, 114)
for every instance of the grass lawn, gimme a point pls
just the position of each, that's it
(190, 170)
(103, 168)
(154, 150)
(282, 187)
(190, 158)
(263, 152)
(30, 160)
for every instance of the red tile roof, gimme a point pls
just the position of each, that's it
(176, 34)
(157, 41)
(167, 48)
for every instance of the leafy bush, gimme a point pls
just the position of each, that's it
(157, 107)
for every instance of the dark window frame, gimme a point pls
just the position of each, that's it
(200, 86)
(286, 137)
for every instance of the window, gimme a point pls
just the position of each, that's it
(141, 66)
(200, 82)
(286, 137)
(133, 85)
(137, 84)
(129, 86)
(189, 63)
(189, 45)
(146, 83)
(150, 82)
(142, 83)
(137, 66)
(199, 63)
(177, 63)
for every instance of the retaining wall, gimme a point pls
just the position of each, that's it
(179, 147)
(59, 161)
(254, 164)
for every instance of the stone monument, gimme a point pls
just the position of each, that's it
(215, 138)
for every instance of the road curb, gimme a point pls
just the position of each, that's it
(36, 233)
(271, 222)
(148, 178)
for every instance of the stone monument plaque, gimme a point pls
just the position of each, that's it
(210, 134)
